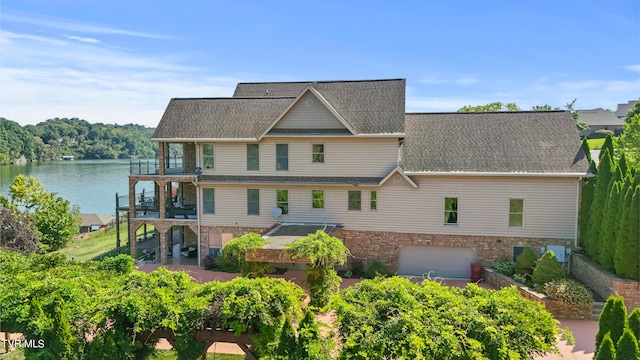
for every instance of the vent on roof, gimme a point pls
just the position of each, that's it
(267, 92)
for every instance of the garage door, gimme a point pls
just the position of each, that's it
(446, 262)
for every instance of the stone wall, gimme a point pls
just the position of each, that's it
(385, 246)
(559, 310)
(605, 283)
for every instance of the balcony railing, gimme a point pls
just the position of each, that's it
(151, 167)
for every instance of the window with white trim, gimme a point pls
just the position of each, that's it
(516, 212)
(208, 156)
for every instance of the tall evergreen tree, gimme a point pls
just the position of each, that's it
(610, 228)
(605, 172)
(627, 346)
(586, 199)
(287, 342)
(626, 259)
(610, 321)
(634, 322)
(310, 344)
(607, 145)
(606, 350)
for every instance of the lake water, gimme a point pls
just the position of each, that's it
(91, 184)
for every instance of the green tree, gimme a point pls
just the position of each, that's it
(54, 217)
(627, 346)
(323, 252)
(394, 318)
(610, 228)
(547, 269)
(601, 192)
(17, 232)
(310, 344)
(235, 253)
(491, 107)
(629, 141)
(634, 322)
(526, 261)
(627, 254)
(606, 351)
(287, 341)
(613, 320)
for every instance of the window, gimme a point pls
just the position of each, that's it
(450, 210)
(355, 198)
(253, 156)
(317, 153)
(317, 199)
(373, 201)
(207, 156)
(283, 201)
(208, 201)
(516, 212)
(253, 201)
(282, 157)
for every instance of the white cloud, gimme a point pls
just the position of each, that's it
(635, 68)
(84, 39)
(75, 26)
(55, 78)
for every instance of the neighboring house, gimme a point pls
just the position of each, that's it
(600, 119)
(419, 192)
(93, 222)
(623, 109)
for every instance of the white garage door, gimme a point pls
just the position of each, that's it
(445, 262)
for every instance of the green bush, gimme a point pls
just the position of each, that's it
(547, 269)
(322, 282)
(526, 261)
(568, 292)
(504, 267)
(524, 279)
(634, 322)
(376, 268)
(234, 252)
(606, 351)
(627, 347)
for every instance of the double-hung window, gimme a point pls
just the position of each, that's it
(253, 156)
(208, 156)
(355, 200)
(317, 199)
(253, 201)
(451, 210)
(208, 201)
(282, 157)
(317, 153)
(373, 200)
(282, 200)
(516, 212)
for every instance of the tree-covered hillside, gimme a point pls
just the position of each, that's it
(52, 139)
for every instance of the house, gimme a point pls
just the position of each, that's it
(421, 192)
(623, 109)
(93, 222)
(600, 119)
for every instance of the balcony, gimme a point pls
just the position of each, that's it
(152, 167)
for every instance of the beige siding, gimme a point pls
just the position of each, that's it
(343, 157)
(550, 207)
(309, 113)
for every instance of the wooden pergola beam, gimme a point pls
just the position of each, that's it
(207, 336)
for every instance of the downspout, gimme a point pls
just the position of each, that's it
(578, 196)
(198, 205)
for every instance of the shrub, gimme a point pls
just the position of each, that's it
(376, 268)
(504, 267)
(234, 252)
(627, 347)
(547, 269)
(613, 320)
(526, 261)
(634, 322)
(209, 262)
(357, 267)
(524, 279)
(606, 351)
(568, 292)
(122, 264)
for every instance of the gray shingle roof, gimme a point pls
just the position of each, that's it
(599, 117)
(230, 118)
(369, 106)
(623, 109)
(502, 142)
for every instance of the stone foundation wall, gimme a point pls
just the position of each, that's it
(385, 246)
(559, 310)
(605, 283)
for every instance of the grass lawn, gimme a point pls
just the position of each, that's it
(98, 244)
(595, 144)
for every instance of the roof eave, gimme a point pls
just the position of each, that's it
(496, 173)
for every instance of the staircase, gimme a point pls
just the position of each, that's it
(597, 309)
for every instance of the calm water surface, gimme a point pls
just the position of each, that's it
(91, 184)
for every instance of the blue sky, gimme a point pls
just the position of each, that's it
(121, 61)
